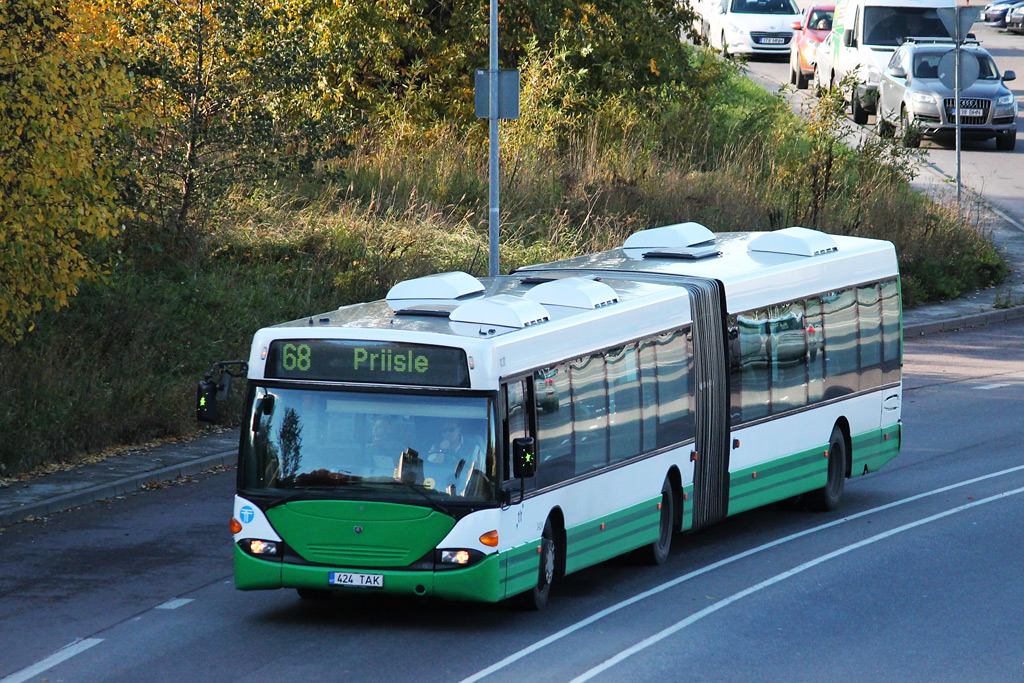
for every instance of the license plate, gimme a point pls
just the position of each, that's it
(356, 580)
(773, 41)
(968, 112)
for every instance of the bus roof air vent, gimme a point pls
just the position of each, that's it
(501, 311)
(796, 241)
(432, 290)
(574, 292)
(682, 240)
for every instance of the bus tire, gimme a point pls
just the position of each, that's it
(830, 496)
(657, 552)
(536, 598)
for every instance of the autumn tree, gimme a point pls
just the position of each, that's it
(60, 94)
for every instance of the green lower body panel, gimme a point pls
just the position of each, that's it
(521, 568)
(611, 536)
(777, 480)
(687, 508)
(481, 582)
(807, 471)
(874, 449)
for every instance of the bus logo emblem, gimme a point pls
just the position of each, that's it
(246, 514)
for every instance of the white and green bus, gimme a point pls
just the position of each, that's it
(480, 439)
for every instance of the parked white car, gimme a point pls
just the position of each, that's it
(749, 26)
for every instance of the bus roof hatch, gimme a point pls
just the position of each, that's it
(433, 289)
(682, 240)
(574, 292)
(503, 310)
(795, 241)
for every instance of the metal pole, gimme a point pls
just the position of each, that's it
(956, 102)
(493, 213)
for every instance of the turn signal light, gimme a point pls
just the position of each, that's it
(490, 539)
(236, 526)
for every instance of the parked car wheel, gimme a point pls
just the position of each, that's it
(907, 134)
(860, 114)
(1006, 142)
(884, 128)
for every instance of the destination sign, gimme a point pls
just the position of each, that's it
(361, 361)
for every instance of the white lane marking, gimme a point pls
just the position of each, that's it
(174, 604)
(678, 626)
(568, 630)
(53, 660)
(992, 386)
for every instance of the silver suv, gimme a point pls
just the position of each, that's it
(913, 102)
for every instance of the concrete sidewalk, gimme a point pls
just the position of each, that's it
(139, 469)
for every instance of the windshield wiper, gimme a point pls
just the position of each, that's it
(419, 489)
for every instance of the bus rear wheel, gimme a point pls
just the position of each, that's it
(828, 498)
(536, 598)
(657, 552)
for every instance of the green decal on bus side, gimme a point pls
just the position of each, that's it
(607, 537)
(359, 533)
(873, 449)
(806, 471)
(521, 567)
(687, 508)
(777, 480)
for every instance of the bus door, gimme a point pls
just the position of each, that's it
(711, 447)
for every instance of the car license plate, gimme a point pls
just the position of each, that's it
(356, 580)
(773, 41)
(968, 112)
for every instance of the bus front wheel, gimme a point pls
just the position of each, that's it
(828, 498)
(537, 597)
(657, 552)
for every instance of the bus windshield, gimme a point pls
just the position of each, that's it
(399, 447)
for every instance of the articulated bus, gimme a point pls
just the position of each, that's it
(480, 439)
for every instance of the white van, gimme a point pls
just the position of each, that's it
(865, 33)
(749, 26)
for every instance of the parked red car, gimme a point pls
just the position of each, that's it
(813, 28)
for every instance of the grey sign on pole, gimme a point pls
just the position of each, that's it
(958, 20)
(956, 64)
(508, 93)
(970, 69)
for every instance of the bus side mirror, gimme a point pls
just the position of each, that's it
(524, 458)
(206, 401)
(210, 391)
(848, 39)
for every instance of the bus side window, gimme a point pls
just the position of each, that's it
(891, 355)
(869, 318)
(516, 421)
(555, 412)
(815, 352)
(841, 364)
(789, 351)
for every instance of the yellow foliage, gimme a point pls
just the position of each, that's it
(60, 94)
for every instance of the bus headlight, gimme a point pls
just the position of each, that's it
(261, 548)
(459, 557)
(455, 557)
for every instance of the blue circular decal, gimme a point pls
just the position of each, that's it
(246, 514)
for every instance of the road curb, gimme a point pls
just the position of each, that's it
(119, 487)
(1000, 315)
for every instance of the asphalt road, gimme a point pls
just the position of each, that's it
(999, 176)
(915, 578)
